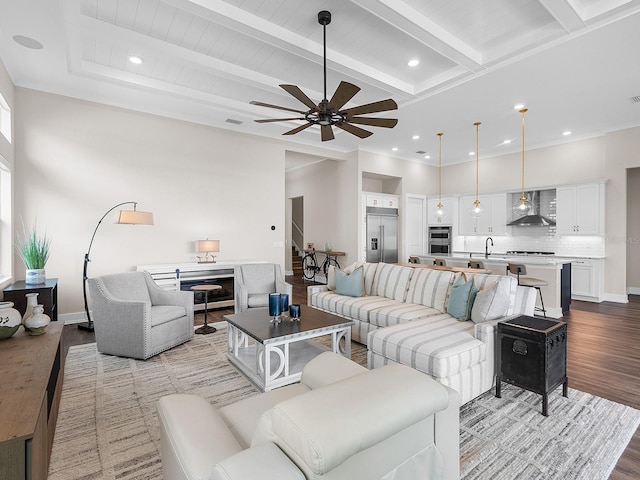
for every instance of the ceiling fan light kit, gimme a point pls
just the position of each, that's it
(328, 113)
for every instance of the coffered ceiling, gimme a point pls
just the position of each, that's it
(573, 63)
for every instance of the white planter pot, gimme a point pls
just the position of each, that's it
(35, 276)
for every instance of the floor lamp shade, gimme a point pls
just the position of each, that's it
(133, 217)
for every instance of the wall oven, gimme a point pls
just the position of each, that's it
(439, 240)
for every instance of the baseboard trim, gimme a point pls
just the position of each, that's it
(71, 318)
(615, 297)
(633, 290)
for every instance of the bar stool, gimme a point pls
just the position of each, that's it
(477, 264)
(206, 328)
(441, 262)
(519, 269)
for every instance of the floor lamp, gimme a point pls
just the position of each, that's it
(123, 217)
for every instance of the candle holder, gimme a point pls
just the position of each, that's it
(294, 311)
(275, 307)
(284, 304)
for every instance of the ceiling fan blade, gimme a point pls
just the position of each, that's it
(375, 122)
(326, 133)
(268, 120)
(381, 106)
(299, 94)
(298, 129)
(260, 104)
(342, 95)
(352, 129)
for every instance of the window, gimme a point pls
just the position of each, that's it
(6, 243)
(5, 119)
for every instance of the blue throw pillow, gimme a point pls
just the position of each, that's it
(351, 285)
(461, 299)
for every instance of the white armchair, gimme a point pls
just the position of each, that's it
(253, 282)
(135, 318)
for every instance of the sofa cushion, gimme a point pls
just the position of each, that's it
(400, 313)
(351, 284)
(439, 346)
(461, 297)
(356, 308)
(255, 300)
(391, 281)
(429, 287)
(491, 303)
(510, 284)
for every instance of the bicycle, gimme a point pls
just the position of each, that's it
(310, 266)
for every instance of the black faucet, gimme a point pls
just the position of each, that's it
(486, 247)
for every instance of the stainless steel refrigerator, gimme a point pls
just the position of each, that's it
(382, 235)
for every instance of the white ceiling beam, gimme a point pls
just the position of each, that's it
(407, 19)
(262, 30)
(565, 13)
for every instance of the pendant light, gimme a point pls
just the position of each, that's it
(477, 209)
(522, 206)
(440, 207)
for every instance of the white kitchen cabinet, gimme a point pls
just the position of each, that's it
(580, 209)
(382, 200)
(450, 207)
(493, 220)
(586, 279)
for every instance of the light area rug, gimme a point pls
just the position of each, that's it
(107, 426)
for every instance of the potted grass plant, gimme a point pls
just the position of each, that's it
(34, 250)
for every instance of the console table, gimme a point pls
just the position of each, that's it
(183, 276)
(31, 379)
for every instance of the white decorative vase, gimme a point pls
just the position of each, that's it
(37, 322)
(35, 276)
(9, 320)
(32, 301)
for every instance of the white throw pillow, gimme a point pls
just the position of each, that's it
(491, 303)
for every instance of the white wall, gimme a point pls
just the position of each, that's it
(75, 160)
(633, 230)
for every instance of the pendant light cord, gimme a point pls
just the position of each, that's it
(477, 202)
(522, 198)
(324, 43)
(440, 172)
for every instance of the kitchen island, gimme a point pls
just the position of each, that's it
(556, 271)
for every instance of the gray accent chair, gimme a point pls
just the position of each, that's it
(136, 318)
(253, 282)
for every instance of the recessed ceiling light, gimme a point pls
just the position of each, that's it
(427, 157)
(416, 137)
(135, 59)
(395, 149)
(506, 141)
(518, 106)
(472, 153)
(566, 133)
(27, 42)
(413, 62)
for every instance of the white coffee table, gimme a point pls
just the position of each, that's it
(273, 355)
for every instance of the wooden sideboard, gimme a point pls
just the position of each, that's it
(31, 373)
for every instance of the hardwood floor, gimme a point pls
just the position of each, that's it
(603, 356)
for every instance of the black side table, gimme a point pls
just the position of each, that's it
(47, 296)
(532, 354)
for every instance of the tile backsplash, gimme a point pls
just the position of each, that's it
(537, 239)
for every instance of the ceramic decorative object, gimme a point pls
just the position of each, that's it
(328, 247)
(35, 276)
(10, 320)
(37, 322)
(32, 301)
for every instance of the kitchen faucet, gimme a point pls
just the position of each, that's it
(486, 247)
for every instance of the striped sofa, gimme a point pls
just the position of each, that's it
(402, 318)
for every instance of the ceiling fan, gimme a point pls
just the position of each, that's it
(327, 113)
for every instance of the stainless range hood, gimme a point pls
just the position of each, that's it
(534, 219)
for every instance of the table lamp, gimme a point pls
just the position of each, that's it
(208, 246)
